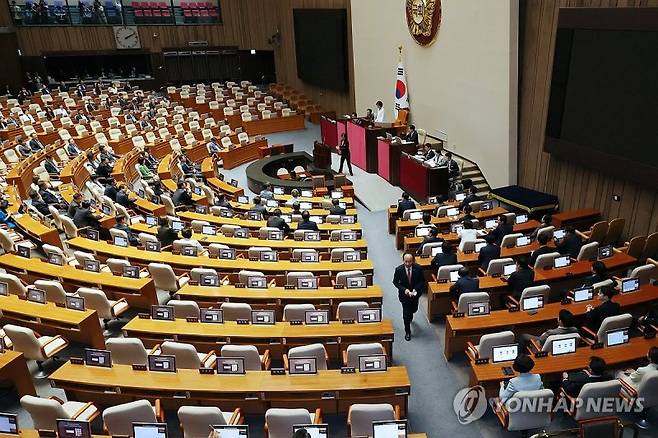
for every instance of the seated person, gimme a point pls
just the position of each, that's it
(104, 169)
(472, 196)
(267, 192)
(571, 243)
(276, 221)
(188, 167)
(165, 235)
(50, 166)
(144, 171)
(258, 206)
(294, 197)
(213, 146)
(75, 204)
(468, 213)
(406, 203)
(453, 167)
(72, 149)
(595, 315)
(306, 223)
(24, 149)
(121, 225)
(104, 151)
(573, 382)
(634, 377)
(503, 229)
(543, 248)
(488, 252)
(49, 196)
(525, 381)
(111, 189)
(521, 278)
(565, 325)
(188, 241)
(336, 209)
(85, 218)
(467, 234)
(446, 257)
(427, 221)
(221, 201)
(5, 217)
(432, 237)
(598, 274)
(411, 135)
(182, 195)
(465, 283)
(546, 221)
(38, 204)
(123, 198)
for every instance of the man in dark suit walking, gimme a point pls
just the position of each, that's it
(410, 283)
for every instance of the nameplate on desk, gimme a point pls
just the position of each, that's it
(253, 259)
(143, 316)
(468, 252)
(442, 280)
(77, 361)
(62, 305)
(425, 256)
(240, 285)
(296, 322)
(649, 334)
(192, 319)
(597, 345)
(339, 286)
(347, 321)
(242, 321)
(541, 354)
(494, 275)
(348, 370)
(404, 219)
(278, 371)
(289, 287)
(514, 308)
(328, 396)
(482, 361)
(139, 367)
(458, 314)
(204, 370)
(565, 301)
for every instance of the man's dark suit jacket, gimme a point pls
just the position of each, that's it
(166, 235)
(502, 230)
(123, 199)
(277, 222)
(404, 206)
(41, 207)
(401, 282)
(338, 210)
(48, 197)
(519, 280)
(111, 192)
(570, 245)
(413, 136)
(84, 218)
(468, 199)
(488, 253)
(181, 197)
(464, 285)
(595, 317)
(540, 251)
(594, 278)
(442, 259)
(578, 379)
(307, 225)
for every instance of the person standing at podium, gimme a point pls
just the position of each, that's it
(345, 154)
(379, 114)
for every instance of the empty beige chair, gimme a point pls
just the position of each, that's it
(243, 138)
(165, 280)
(279, 421)
(226, 142)
(615, 229)
(484, 348)
(409, 212)
(244, 275)
(645, 273)
(46, 411)
(54, 290)
(361, 416)
(600, 284)
(469, 245)
(215, 248)
(548, 344)
(589, 251)
(351, 355)
(427, 248)
(471, 297)
(510, 240)
(280, 171)
(116, 265)
(119, 419)
(350, 309)
(146, 237)
(34, 347)
(292, 278)
(616, 322)
(545, 260)
(184, 308)
(127, 351)
(297, 254)
(341, 277)
(194, 420)
(597, 233)
(527, 419)
(6, 241)
(496, 266)
(196, 273)
(337, 253)
(253, 360)
(650, 247)
(187, 357)
(235, 311)
(313, 350)
(444, 271)
(70, 229)
(106, 309)
(264, 232)
(14, 285)
(543, 290)
(296, 312)
(590, 394)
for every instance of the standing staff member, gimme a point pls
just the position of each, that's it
(345, 153)
(410, 283)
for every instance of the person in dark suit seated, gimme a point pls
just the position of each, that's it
(595, 315)
(465, 283)
(598, 274)
(503, 229)
(47, 195)
(276, 221)
(546, 221)
(104, 169)
(432, 237)
(24, 149)
(75, 204)
(571, 243)
(543, 248)
(50, 166)
(336, 209)
(410, 282)
(35, 143)
(306, 223)
(123, 198)
(405, 204)
(111, 189)
(188, 167)
(121, 225)
(38, 204)
(521, 278)
(565, 325)
(446, 257)
(428, 152)
(472, 196)
(85, 218)
(221, 201)
(166, 235)
(573, 382)
(412, 134)
(258, 206)
(468, 213)
(488, 252)
(182, 195)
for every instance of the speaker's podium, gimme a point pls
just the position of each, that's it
(389, 150)
(422, 180)
(321, 155)
(363, 142)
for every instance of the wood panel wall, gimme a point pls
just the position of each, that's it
(247, 24)
(575, 185)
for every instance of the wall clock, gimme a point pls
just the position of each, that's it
(423, 20)
(127, 37)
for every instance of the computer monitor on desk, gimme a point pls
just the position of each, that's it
(9, 423)
(73, 429)
(149, 430)
(314, 430)
(504, 353)
(389, 429)
(232, 431)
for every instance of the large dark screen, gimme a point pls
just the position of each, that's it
(604, 97)
(321, 47)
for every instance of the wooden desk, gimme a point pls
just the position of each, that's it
(253, 392)
(404, 228)
(139, 292)
(183, 263)
(13, 368)
(275, 124)
(551, 367)
(578, 218)
(29, 226)
(461, 330)
(236, 206)
(315, 200)
(208, 170)
(421, 180)
(439, 298)
(277, 338)
(78, 326)
(242, 153)
(425, 208)
(276, 298)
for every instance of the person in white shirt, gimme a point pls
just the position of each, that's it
(61, 111)
(379, 115)
(634, 377)
(467, 234)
